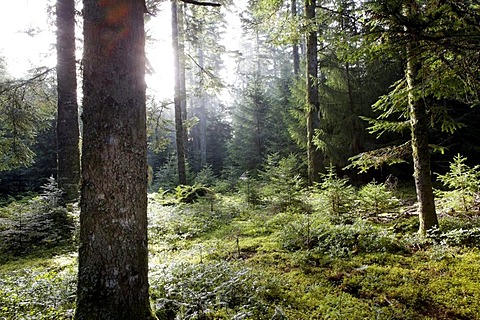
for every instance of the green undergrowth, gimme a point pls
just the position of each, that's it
(221, 257)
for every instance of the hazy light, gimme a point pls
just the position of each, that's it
(22, 51)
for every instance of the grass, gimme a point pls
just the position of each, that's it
(245, 262)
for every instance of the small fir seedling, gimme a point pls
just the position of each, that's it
(463, 182)
(283, 181)
(375, 198)
(338, 193)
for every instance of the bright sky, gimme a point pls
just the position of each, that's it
(23, 52)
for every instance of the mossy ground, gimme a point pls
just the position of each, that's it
(234, 263)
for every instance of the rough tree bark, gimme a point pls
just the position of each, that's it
(113, 265)
(68, 150)
(420, 149)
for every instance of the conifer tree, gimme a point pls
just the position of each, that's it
(68, 135)
(113, 254)
(429, 34)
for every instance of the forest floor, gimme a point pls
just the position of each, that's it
(226, 258)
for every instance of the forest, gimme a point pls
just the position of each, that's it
(260, 159)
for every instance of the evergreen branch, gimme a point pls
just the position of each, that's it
(378, 157)
(208, 73)
(16, 84)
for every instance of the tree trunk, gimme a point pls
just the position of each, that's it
(179, 130)
(296, 56)
(113, 255)
(421, 153)
(182, 72)
(68, 152)
(202, 114)
(314, 156)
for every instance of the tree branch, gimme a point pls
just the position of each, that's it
(200, 3)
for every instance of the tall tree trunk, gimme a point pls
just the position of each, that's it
(68, 152)
(314, 156)
(113, 255)
(182, 71)
(421, 153)
(296, 56)
(202, 113)
(356, 142)
(179, 130)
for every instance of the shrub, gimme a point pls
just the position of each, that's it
(296, 233)
(204, 291)
(38, 293)
(307, 232)
(40, 222)
(462, 237)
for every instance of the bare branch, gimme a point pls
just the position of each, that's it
(201, 3)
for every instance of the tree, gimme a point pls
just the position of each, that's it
(180, 95)
(420, 149)
(314, 156)
(113, 255)
(26, 110)
(295, 53)
(205, 30)
(438, 41)
(250, 121)
(68, 152)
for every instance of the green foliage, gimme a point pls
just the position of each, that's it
(158, 126)
(185, 220)
(205, 291)
(462, 237)
(26, 109)
(375, 198)
(249, 187)
(259, 265)
(252, 125)
(297, 232)
(166, 177)
(283, 181)
(190, 194)
(41, 222)
(306, 232)
(464, 185)
(339, 196)
(44, 293)
(205, 177)
(377, 158)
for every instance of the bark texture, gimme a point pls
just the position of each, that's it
(420, 149)
(68, 152)
(112, 278)
(314, 156)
